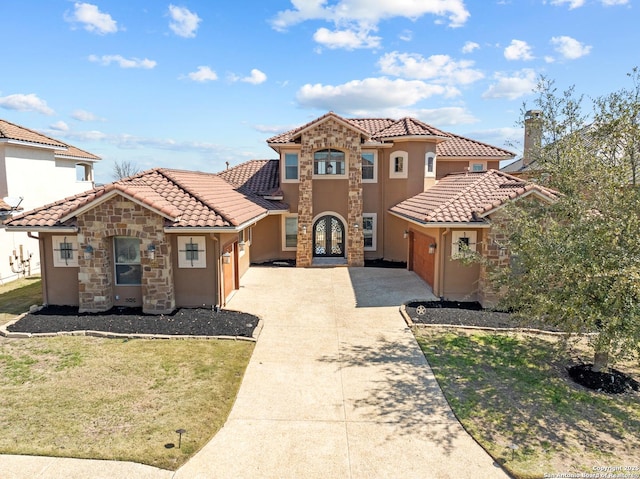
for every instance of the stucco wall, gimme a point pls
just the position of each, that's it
(60, 285)
(195, 287)
(461, 281)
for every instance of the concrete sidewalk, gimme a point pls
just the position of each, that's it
(337, 387)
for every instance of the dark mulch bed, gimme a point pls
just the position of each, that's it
(184, 321)
(610, 381)
(466, 314)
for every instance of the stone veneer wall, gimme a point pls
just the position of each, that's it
(490, 250)
(330, 134)
(121, 217)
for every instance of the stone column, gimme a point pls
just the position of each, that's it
(304, 254)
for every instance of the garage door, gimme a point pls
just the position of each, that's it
(422, 262)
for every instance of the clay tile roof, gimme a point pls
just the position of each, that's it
(11, 131)
(186, 198)
(260, 177)
(466, 197)
(459, 146)
(408, 127)
(291, 135)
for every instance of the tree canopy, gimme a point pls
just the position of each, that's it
(576, 263)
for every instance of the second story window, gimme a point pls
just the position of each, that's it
(328, 162)
(430, 165)
(290, 166)
(398, 164)
(369, 166)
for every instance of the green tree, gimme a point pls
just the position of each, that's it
(576, 263)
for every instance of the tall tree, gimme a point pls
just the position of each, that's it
(576, 263)
(123, 169)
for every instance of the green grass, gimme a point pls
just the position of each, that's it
(17, 297)
(513, 389)
(116, 399)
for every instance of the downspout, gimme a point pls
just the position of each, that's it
(216, 252)
(43, 265)
(443, 255)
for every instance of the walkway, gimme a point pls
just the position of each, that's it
(337, 387)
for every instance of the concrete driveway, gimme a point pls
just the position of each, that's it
(337, 388)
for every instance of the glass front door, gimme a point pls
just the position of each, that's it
(328, 237)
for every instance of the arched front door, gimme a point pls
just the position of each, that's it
(328, 237)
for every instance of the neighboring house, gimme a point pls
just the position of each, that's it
(341, 192)
(34, 170)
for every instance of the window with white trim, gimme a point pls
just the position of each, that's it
(291, 166)
(290, 232)
(462, 242)
(369, 230)
(369, 166)
(329, 163)
(478, 167)
(65, 251)
(128, 270)
(430, 165)
(398, 164)
(192, 252)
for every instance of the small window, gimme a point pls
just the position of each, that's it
(84, 172)
(430, 165)
(369, 221)
(463, 241)
(369, 167)
(192, 252)
(65, 251)
(399, 163)
(328, 163)
(290, 232)
(477, 167)
(290, 166)
(127, 261)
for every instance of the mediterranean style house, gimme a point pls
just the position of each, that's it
(341, 192)
(34, 170)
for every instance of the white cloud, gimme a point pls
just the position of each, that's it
(256, 77)
(470, 47)
(123, 62)
(572, 3)
(360, 15)
(203, 74)
(570, 48)
(92, 19)
(28, 102)
(83, 115)
(609, 3)
(59, 126)
(358, 97)
(439, 68)
(518, 50)
(184, 23)
(406, 35)
(347, 39)
(512, 87)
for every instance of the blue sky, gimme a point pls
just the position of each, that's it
(195, 84)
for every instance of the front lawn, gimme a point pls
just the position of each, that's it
(16, 297)
(116, 399)
(512, 393)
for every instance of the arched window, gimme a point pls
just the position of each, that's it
(328, 162)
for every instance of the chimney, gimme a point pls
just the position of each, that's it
(532, 135)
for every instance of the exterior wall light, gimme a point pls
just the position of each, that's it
(88, 251)
(242, 245)
(356, 226)
(226, 258)
(432, 248)
(151, 250)
(304, 230)
(405, 235)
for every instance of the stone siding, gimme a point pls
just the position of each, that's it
(495, 257)
(121, 217)
(330, 134)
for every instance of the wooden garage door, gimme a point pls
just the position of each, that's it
(422, 262)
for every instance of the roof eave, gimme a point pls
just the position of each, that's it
(42, 229)
(32, 144)
(215, 229)
(443, 224)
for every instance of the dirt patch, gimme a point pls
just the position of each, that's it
(184, 321)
